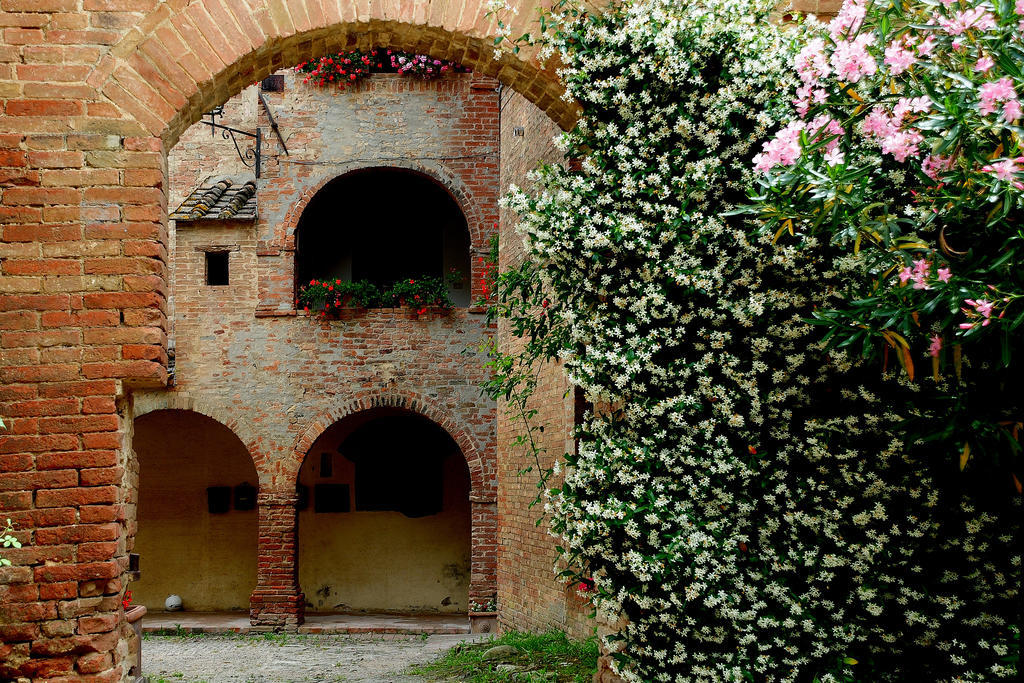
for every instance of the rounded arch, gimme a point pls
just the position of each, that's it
(196, 522)
(284, 232)
(481, 489)
(181, 63)
(151, 401)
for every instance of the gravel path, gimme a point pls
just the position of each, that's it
(279, 657)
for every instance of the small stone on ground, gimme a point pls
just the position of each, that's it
(259, 658)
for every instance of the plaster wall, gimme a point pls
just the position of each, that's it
(383, 560)
(207, 559)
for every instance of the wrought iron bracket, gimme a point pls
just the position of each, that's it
(252, 155)
(273, 123)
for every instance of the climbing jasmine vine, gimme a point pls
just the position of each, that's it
(750, 500)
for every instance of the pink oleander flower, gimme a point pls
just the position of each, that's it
(1011, 111)
(783, 150)
(977, 18)
(898, 58)
(826, 126)
(835, 157)
(907, 105)
(851, 59)
(920, 274)
(994, 92)
(982, 306)
(1003, 169)
(1019, 7)
(879, 123)
(905, 275)
(984, 64)
(849, 19)
(943, 274)
(811, 62)
(935, 346)
(926, 47)
(902, 144)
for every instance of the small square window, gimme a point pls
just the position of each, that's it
(217, 268)
(273, 83)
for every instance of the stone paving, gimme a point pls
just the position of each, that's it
(238, 622)
(259, 658)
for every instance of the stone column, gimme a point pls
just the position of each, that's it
(277, 601)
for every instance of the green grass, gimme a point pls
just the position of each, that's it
(541, 657)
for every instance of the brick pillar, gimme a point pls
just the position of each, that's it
(82, 320)
(483, 577)
(277, 601)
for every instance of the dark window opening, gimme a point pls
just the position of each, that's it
(399, 465)
(216, 268)
(384, 225)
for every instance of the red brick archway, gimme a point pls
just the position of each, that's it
(178, 64)
(481, 473)
(278, 600)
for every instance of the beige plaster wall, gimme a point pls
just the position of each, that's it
(384, 561)
(207, 559)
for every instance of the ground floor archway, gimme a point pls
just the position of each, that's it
(196, 514)
(385, 517)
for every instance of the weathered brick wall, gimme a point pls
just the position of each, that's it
(251, 360)
(82, 301)
(529, 595)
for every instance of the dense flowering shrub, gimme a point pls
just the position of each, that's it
(906, 158)
(329, 297)
(345, 68)
(755, 501)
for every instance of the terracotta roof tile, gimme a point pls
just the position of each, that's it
(220, 198)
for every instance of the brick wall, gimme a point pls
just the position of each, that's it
(82, 269)
(270, 372)
(529, 596)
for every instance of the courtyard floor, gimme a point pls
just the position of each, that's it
(238, 622)
(264, 657)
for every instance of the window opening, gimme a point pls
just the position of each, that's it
(216, 268)
(382, 226)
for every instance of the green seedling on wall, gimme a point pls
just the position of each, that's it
(8, 540)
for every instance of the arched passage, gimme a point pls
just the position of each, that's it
(186, 63)
(197, 520)
(353, 229)
(385, 517)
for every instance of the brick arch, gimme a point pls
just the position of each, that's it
(180, 63)
(481, 490)
(284, 232)
(150, 402)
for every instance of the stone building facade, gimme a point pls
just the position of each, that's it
(94, 95)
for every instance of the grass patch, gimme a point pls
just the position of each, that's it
(548, 656)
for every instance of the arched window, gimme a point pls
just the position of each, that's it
(384, 225)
